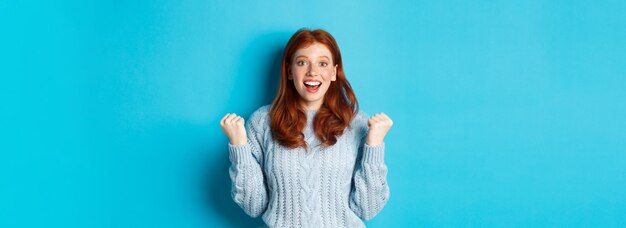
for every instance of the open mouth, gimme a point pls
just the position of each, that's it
(312, 86)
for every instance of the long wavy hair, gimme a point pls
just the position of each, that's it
(288, 117)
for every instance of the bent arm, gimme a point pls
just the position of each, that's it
(246, 173)
(370, 191)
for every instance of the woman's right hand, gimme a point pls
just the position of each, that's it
(233, 126)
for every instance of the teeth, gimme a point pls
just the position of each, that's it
(312, 83)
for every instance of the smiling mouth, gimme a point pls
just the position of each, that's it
(313, 85)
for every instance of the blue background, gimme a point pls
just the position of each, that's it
(506, 114)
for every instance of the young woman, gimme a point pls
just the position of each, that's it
(311, 158)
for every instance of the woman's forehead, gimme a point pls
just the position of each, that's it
(314, 50)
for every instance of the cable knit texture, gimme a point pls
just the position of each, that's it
(334, 186)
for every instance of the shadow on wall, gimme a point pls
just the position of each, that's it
(260, 59)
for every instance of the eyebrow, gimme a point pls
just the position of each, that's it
(323, 56)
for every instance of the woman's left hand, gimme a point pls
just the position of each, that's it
(379, 125)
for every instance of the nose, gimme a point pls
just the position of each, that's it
(312, 71)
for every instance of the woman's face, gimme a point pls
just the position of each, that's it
(312, 71)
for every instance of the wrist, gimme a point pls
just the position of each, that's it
(238, 142)
(373, 142)
(374, 154)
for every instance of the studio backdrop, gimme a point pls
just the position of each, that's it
(506, 113)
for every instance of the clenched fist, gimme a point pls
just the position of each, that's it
(233, 126)
(379, 125)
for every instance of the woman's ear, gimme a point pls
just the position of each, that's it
(334, 77)
(289, 73)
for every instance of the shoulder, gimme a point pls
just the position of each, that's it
(260, 117)
(359, 122)
(263, 111)
(360, 117)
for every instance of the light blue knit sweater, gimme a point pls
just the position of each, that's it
(334, 186)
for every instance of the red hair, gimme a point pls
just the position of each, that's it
(288, 118)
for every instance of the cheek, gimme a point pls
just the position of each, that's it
(297, 72)
(327, 74)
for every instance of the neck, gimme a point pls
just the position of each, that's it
(312, 106)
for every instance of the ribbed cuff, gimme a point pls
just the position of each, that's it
(374, 154)
(240, 154)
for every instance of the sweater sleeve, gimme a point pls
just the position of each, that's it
(249, 190)
(370, 191)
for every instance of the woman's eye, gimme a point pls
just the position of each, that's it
(300, 63)
(323, 64)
